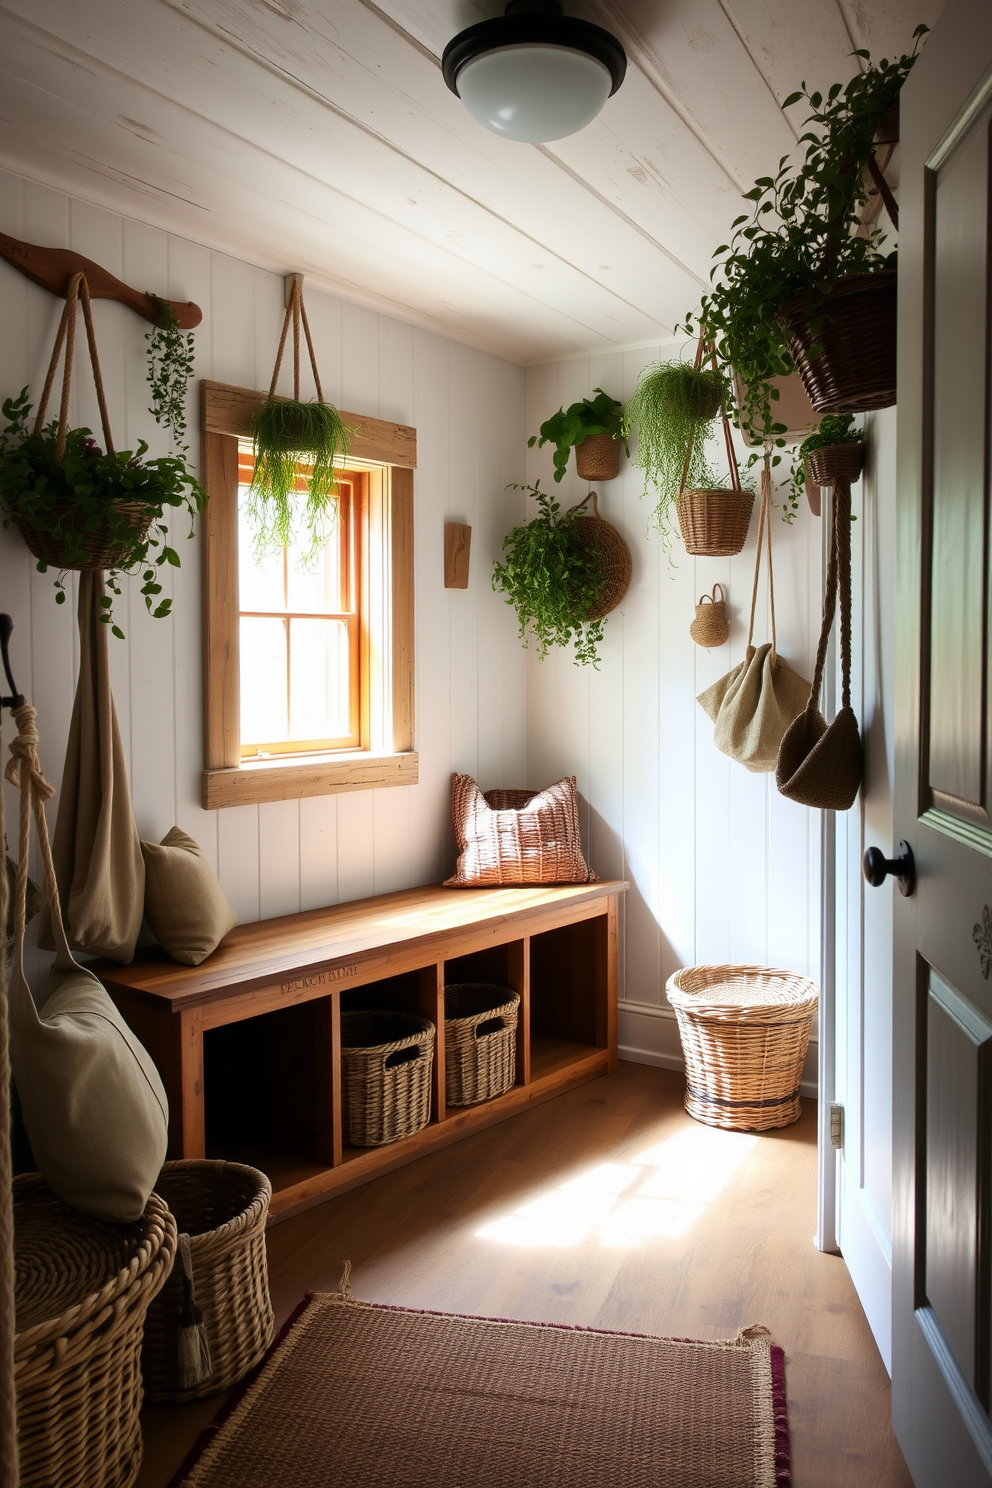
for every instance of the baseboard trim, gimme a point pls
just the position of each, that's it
(650, 1035)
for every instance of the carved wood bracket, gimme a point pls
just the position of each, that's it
(53, 269)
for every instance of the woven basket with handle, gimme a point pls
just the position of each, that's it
(222, 1207)
(480, 1041)
(597, 458)
(386, 1063)
(856, 369)
(595, 534)
(713, 522)
(832, 462)
(82, 1290)
(744, 1032)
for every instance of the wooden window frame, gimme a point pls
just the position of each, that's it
(389, 452)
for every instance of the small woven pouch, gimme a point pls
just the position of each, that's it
(711, 626)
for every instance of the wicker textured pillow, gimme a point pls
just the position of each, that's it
(185, 906)
(517, 836)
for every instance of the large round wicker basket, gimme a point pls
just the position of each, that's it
(82, 1290)
(480, 1042)
(825, 465)
(597, 458)
(386, 1063)
(856, 370)
(596, 535)
(103, 549)
(222, 1207)
(713, 523)
(745, 1032)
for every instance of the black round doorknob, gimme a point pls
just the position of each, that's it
(877, 868)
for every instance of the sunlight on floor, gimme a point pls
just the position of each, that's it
(658, 1195)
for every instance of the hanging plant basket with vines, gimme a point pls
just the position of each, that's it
(671, 412)
(79, 505)
(288, 434)
(563, 572)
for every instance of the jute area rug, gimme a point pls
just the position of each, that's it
(361, 1396)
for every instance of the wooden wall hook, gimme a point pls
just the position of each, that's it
(457, 547)
(53, 269)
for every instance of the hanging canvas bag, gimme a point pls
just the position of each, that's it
(819, 764)
(94, 1106)
(753, 705)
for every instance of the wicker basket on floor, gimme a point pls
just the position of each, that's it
(386, 1063)
(82, 1290)
(480, 1042)
(745, 1032)
(222, 1207)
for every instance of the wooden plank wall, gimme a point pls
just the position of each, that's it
(722, 868)
(467, 407)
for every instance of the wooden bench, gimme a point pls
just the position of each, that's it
(249, 1043)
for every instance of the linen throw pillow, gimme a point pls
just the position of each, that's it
(517, 836)
(185, 906)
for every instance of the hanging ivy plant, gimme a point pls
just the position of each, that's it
(170, 367)
(552, 580)
(296, 445)
(832, 429)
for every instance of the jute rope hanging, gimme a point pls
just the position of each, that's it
(714, 522)
(296, 312)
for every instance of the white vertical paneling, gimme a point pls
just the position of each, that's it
(468, 409)
(721, 867)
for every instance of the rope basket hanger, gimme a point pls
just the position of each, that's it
(714, 522)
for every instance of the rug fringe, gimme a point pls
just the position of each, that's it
(756, 1330)
(344, 1292)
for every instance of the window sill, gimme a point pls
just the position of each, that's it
(251, 783)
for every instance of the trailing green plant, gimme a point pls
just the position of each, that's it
(289, 435)
(552, 580)
(170, 367)
(570, 426)
(671, 411)
(798, 239)
(833, 428)
(88, 491)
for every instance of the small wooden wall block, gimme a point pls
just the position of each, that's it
(457, 545)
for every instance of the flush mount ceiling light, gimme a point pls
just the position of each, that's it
(534, 74)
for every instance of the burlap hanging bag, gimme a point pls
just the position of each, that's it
(820, 764)
(755, 702)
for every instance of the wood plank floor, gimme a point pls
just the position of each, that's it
(608, 1207)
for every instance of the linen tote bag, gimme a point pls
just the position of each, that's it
(756, 701)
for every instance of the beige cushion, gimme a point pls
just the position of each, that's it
(517, 836)
(94, 1107)
(184, 904)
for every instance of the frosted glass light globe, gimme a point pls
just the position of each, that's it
(534, 93)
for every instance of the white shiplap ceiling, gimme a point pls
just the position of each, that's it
(318, 135)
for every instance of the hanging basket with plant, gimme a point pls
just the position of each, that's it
(78, 506)
(834, 451)
(563, 573)
(671, 412)
(801, 283)
(293, 439)
(594, 429)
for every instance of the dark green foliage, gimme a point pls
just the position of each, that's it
(170, 367)
(83, 494)
(832, 429)
(671, 411)
(552, 581)
(798, 238)
(569, 427)
(288, 434)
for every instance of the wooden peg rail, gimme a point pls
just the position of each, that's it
(53, 268)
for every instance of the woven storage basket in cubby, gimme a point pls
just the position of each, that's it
(745, 1032)
(385, 1076)
(82, 1290)
(222, 1207)
(480, 1042)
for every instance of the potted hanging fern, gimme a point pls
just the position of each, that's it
(298, 446)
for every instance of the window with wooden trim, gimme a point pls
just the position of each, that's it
(308, 670)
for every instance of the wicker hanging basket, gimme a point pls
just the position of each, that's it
(745, 1033)
(597, 458)
(386, 1063)
(222, 1207)
(82, 1291)
(856, 370)
(714, 524)
(480, 1042)
(834, 462)
(595, 534)
(103, 549)
(711, 626)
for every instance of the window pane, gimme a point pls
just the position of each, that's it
(317, 586)
(260, 582)
(263, 682)
(319, 687)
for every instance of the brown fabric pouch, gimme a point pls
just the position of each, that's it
(820, 764)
